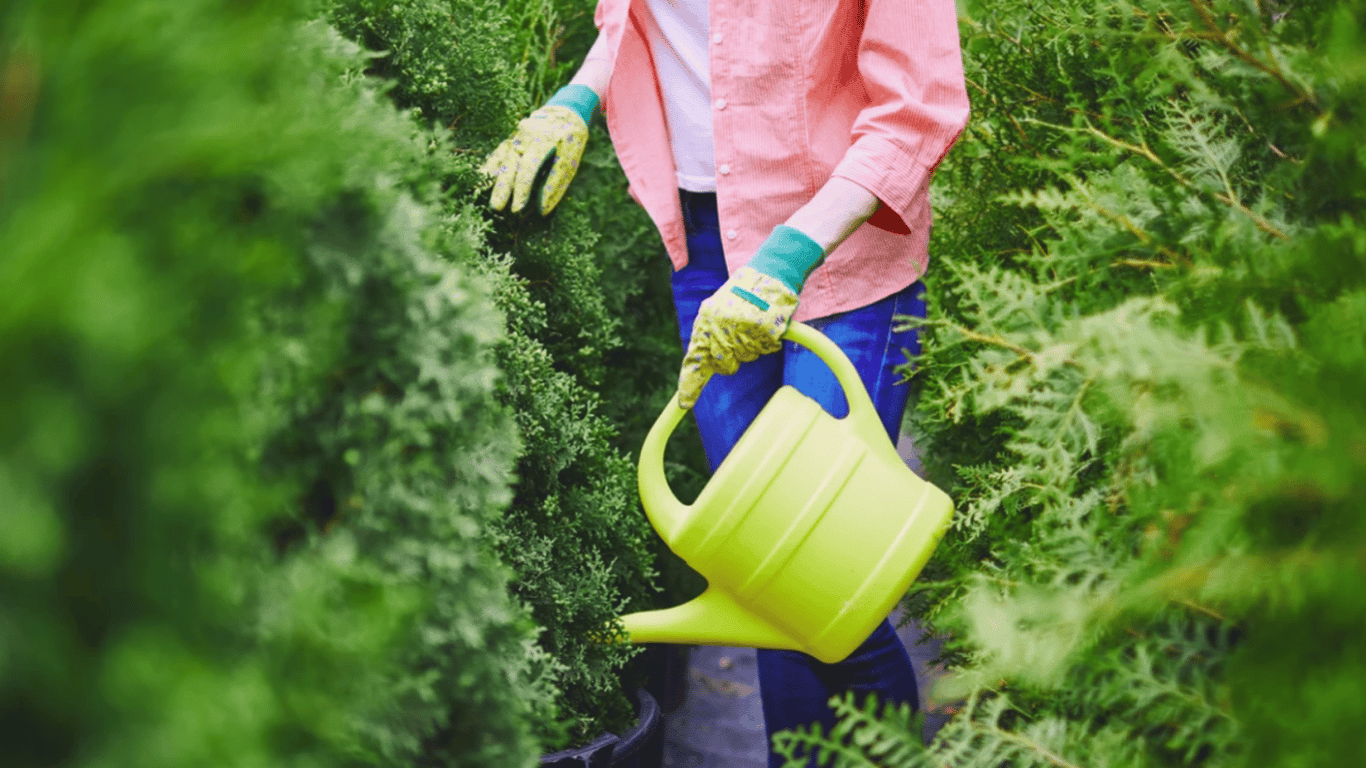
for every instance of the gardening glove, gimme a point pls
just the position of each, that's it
(748, 315)
(559, 129)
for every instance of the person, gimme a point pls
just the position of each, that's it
(784, 151)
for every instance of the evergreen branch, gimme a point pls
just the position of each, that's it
(1218, 35)
(1074, 414)
(1023, 136)
(965, 727)
(1126, 223)
(1025, 353)
(1065, 107)
(1039, 749)
(1142, 264)
(1202, 609)
(861, 737)
(971, 335)
(1218, 159)
(1142, 150)
(976, 85)
(1261, 223)
(1146, 152)
(1281, 154)
(922, 586)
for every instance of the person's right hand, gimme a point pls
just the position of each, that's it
(514, 164)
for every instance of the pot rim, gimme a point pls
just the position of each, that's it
(648, 718)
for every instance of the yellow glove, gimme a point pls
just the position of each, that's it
(561, 127)
(733, 328)
(748, 315)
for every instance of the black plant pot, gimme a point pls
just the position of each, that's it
(640, 747)
(665, 666)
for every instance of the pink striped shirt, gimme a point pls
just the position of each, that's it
(868, 90)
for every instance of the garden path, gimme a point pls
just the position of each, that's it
(721, 722)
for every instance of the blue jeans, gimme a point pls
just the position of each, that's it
(794, 686)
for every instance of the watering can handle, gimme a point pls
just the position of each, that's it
(654, 487)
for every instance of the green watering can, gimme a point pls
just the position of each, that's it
(808, 533)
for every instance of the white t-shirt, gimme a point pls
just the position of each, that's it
(678, 44)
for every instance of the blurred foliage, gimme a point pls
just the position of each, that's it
(251, 441)
(1142, 384)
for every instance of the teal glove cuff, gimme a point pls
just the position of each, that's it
(789, 255)
(579, 98)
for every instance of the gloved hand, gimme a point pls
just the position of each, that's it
(748, 315)
(561, 127)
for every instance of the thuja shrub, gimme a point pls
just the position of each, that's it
(643, 365)
(250, 436)
(407, 457)
(580, 547)
(642, 370)
(1142, 383)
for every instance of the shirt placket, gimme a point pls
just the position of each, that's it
(720, 44)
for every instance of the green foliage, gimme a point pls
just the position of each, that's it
(447, 61)
(866, 735)
(1142, 384)
(251, 441)
(644, 361)
(574, 534)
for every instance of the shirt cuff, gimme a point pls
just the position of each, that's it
(890, 170)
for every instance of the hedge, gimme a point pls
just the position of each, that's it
(587, 356)
(252, 445)
(1143, 384)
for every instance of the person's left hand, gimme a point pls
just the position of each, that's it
(744, 319)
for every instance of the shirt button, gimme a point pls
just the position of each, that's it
(716, 38)
(731, 234)
(720, 103)
(724, 169)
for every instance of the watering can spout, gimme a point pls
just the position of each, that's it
(714, 618)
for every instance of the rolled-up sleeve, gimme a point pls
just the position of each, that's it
(911, 66)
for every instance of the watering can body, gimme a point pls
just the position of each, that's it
(808, 533)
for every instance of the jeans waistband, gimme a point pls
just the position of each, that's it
(699, 210)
